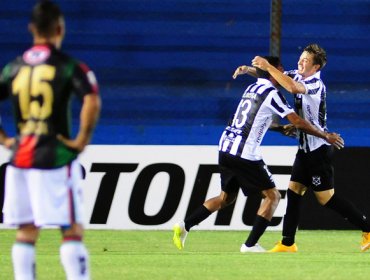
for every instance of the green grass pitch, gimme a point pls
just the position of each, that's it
(207, 255)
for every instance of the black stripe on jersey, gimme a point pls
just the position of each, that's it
(253, 112)
(254, 88)
(300, 139)
(291, 73)
(315, 89)
(283, 99)
(229, 145)
(268, 90)
(276, 106)
(241, 146)
(312, 81)
(307, 148)
(322, 111)
(249, 87)
(303, 141)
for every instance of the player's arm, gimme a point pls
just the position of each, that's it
(285, 81)
(301, 124)
(285, 129)
(86, 87)
(89, 116)
(6, 141)
(3, 136)
(244, 69)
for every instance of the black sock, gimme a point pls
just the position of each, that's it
(259, 227)
(291, 218)
(199, 215)
(349, 212)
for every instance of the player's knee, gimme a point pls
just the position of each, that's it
(323, 197)
(27, 233)
(297, 188)
(229, 199)
(225, 199)
(74, 231)
(273, 195)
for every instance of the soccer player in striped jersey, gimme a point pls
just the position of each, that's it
(240, 162)
(313, 163)
(42, 182)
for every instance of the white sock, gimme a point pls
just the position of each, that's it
(23, 256)
(75, 260)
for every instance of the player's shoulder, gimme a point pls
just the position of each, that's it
(77, 66)
(65, 57)
(11, 68)
(291, 72)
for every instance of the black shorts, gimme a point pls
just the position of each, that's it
(314, 169)
(250, 176)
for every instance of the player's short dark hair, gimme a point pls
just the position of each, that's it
(45, 17)
(274, 61)
(319, 54)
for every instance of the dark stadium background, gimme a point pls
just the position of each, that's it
(165, 67)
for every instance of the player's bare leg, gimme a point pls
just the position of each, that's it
(348, 211)
(23, 251)
(264, 216)
(181, 229)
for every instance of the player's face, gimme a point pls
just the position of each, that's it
(306, 67)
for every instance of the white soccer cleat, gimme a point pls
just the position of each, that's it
(179, 235)
(254, 249)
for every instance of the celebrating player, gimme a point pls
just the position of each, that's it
(313, 163)
(240, 162)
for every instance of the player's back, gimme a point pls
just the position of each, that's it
(253, 116)
(40, 84)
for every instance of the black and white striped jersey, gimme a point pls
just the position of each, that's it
(311, 106)
(244, 134)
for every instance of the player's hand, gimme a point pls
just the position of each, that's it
(77, 144)
(335, 140)
(260, 63)
(241, 70)
(9, 142)
(289, 130)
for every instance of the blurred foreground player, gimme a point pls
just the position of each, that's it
(240, 162)
(42, 183)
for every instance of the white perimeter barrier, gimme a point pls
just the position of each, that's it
(151, 187)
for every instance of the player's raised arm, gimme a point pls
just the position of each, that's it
(244, 69)
(285, 81)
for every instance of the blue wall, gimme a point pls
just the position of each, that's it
(165, 66)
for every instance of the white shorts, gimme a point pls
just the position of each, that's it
(43, 196)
